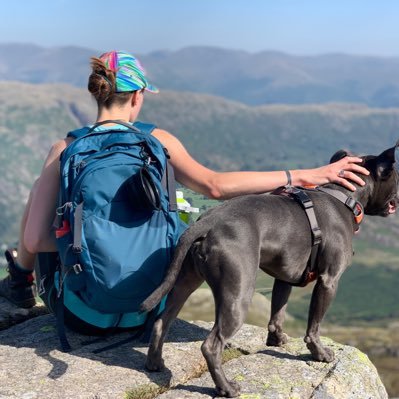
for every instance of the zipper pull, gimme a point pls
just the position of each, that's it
(80, 166)
(145, 157)
(62, 209)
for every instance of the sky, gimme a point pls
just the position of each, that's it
(303, 27)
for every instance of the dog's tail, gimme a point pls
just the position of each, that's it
(198, 230)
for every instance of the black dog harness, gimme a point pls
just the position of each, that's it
(300, 195)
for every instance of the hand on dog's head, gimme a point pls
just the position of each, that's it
(383, 180)
(380, 166)
(340, 154)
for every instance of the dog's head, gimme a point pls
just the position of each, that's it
(382, 183)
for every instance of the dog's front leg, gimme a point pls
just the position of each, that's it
(323, 293)
(280, 295)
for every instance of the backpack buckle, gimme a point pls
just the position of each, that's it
(76, 250)
(41, 289)
(77, 268)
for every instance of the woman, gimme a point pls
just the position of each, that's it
(118, 83)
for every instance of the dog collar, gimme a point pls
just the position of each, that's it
(355, 206)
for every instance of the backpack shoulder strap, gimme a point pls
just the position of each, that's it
(79, 132)
(144, 127)
(168, 179)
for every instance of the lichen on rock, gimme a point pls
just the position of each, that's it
(34, 367)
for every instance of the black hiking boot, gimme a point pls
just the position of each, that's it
(18, 286)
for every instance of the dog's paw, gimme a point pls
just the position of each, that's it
(231, 391)
(155, 365)
(321, 353)
(276, 339)
(327, 355)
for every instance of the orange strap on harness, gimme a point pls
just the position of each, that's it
(355, 206)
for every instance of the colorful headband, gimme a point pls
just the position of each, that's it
(130, 75)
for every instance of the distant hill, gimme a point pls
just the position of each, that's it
(252, 78)
(222, 134)
(34, 64)
(226, 135)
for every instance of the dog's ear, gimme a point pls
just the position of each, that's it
(339, 155)
(386, 161)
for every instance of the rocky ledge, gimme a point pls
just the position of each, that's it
(32, 366)
(10, 314)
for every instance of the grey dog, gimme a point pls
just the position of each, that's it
(228, 244)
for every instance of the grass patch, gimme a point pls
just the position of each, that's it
(232, 353)
(145, 391)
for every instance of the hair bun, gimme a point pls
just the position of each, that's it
(101, 81)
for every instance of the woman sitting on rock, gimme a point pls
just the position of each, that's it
(118, 83)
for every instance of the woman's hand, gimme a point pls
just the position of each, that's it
(341, 172)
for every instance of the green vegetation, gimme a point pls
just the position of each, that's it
(232, 353)
(145, 391)
(198, 201)
(365, 295)
(223, 135)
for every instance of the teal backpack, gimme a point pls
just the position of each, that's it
(117, 226)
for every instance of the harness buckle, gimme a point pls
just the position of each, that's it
(316, 235)
(351, 203)
(358, 212)
(303, 198)
(307, 204)
(358, 209)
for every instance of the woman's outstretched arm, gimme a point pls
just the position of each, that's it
(224, 185)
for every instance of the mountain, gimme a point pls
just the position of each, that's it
(222, 134)
(32, 118)
(34, 64)
(253, 78)
(275, 77)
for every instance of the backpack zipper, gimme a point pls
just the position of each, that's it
(91, 167)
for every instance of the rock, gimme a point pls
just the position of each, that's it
(11, 314)
(33, 367)
(290, 373)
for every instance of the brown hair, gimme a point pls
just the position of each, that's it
(102, 85)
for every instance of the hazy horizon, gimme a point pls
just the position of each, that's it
(306, 28)
(266, 50)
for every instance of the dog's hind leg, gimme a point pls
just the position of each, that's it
(188, 281)
(231, 310)
(280, 295)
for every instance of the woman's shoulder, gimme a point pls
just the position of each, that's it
(166, 138)
(60, 145)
